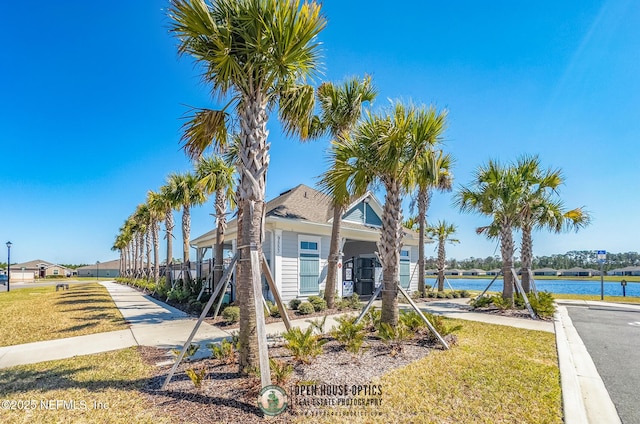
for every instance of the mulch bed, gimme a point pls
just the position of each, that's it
(226, 396)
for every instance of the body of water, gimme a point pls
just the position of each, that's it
(611, 288)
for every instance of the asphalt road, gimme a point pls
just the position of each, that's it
(612, 338)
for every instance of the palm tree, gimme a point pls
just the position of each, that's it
(496, 192)
(340, 109)
(166, 201)
(143, 220)
(431, 171)
(258, 52)
(156, 203)
(217, 176)
(539, 210)
(186, 192)
(384, 148)
(443, 232)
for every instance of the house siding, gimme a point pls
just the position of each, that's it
(289, 265)
(357, 214)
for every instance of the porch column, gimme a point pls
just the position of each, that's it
(340, 272)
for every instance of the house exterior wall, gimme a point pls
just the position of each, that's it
(56, 271)
(357, 214)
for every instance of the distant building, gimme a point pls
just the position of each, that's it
(577, 272)
(629, 270)
(29, 271)
(110, 269)
(474, 272)
(550, 272)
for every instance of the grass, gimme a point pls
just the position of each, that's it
(104, 388)
(615, 299)
(42, 313)
(496, 374)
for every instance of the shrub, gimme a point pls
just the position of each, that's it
(455, 294)
(439, 323)
(231, 314)
(464, 293)
(274, 311)
(304, 346)
(372, 318)
(342, 304)
(191, 350)
(416, 295)
(481, 302)
(319, 304)
(280, 371)
(306, 308)
(441, 295)
(544, 306)
(411, 320)
(394, 336)
(294, 303)
(500, 302)
(196, 306)
(349, 334)
(197, 376)
(318, 324)
(223, 351)
(431, 295)
(449, 295)
(354, 301)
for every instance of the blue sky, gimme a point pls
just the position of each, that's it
(92, 95)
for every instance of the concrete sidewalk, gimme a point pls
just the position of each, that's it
(153, 323)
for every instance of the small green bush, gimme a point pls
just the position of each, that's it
(274, 311)
(294, 303)
(319, 304)
(197, 376)
(354, 301)
(544, 306)
(372, 318)
(280, 371)
(464, 293)
(441, 295)
(231, 314)
(304, 346)
(411, 320)
(501, 303)
(350, 334)
(223, 351)
(342, 304)
(431, 295)
(449, 295)
(481, 302)
(441, 326)
(318, 324)
(306, 308)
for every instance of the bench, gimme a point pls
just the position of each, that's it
(62, 286)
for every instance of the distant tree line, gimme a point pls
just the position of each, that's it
(573, 258)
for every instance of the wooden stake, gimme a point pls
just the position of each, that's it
(195, 329)
(276, 293)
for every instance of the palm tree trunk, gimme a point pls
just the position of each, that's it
(186, 235)
(423, 205)
(389, 248)
(527, 257)
(221, 221)
(147, 242)
(252, 167)
(168, 224)
(441, 261)
(506, 248)
(156, 251)
(334, 257)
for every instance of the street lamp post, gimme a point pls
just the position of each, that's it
(98, 270)
(8, 264)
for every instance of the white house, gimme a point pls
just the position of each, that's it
(296, 245)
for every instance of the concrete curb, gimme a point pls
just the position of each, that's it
(584, 395)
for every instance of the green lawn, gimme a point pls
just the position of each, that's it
(615, 299)
(496, 374)
(42, 313)
(102, 388)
